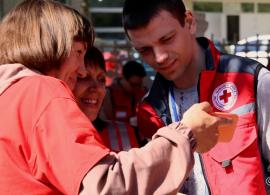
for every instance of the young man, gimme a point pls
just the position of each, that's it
(191, 70)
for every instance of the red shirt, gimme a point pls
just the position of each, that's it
(47, 144)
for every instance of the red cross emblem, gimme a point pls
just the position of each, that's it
(225, 97)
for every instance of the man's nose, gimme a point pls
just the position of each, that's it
(160, 55)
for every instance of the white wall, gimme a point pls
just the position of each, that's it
(250, 23)
(215, 26)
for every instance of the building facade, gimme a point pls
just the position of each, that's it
(233, 20)
(220, 20)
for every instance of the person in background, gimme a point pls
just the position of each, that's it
(47, 144)
(192, 70)
(125, 93)
(90, 92)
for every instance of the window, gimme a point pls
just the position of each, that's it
(264, 7)
(120, 36)
(106, 3)
(208, 6)
(232, 28)
(247, 7)
(107, 19)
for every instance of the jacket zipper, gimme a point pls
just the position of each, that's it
(200, 157)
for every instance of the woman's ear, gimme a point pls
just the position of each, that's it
(190, 22)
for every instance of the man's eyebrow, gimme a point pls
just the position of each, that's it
(169, 34)
(141, 47)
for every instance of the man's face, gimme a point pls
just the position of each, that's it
(166, 45)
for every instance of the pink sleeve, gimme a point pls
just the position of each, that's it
(66, 146)
(160, 167)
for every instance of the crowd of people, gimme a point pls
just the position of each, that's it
(62, 131)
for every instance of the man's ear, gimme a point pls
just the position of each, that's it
(190, 22)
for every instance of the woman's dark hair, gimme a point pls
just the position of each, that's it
(95, 57)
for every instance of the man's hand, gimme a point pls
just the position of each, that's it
(204, 125)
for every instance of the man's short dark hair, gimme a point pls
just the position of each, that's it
(133, 68)
(138, 13)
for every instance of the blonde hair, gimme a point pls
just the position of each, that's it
(39, 34)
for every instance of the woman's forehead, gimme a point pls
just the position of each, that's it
(94, 66)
